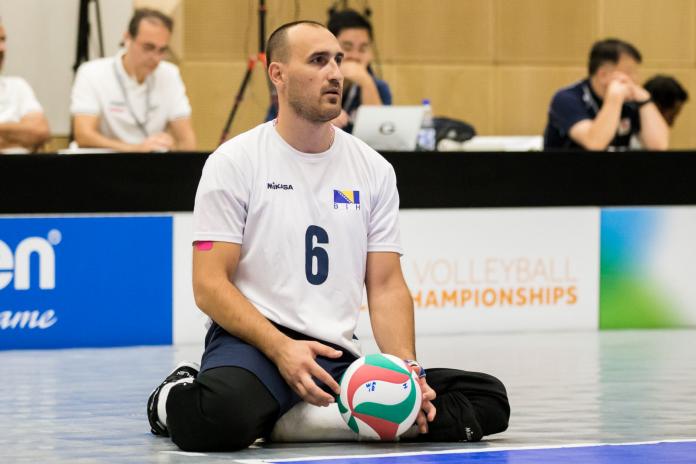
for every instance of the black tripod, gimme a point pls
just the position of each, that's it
(83, 33)
(253, 61)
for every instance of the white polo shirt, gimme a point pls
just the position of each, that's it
(129, 111)
(16, 99)
(305, 222)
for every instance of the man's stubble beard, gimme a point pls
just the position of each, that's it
(299, 104)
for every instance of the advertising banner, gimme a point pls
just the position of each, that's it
(501, 269)
(85, 281)
(189, 321)
(648, 267)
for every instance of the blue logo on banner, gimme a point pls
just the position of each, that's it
(85, 281)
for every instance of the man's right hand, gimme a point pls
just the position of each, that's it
(355, 71)
(296, 361)
(341, 120)
(156, 142)
(620, 88)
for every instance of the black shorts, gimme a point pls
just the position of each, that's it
(225, 350)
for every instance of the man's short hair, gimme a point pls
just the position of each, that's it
(348, 19)
(666, 91)
(277, 45)
(610, 51)
(150, 15)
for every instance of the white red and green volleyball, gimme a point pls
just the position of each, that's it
(380, 397)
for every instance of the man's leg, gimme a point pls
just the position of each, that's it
(469, 405)
(224, 409)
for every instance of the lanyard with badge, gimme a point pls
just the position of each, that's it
(142, 125)
(589, 99)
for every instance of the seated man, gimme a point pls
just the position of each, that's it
(668, 95)
(284, 300)
(22, 121)
(604, 110)
(354, 33)
(134, 101)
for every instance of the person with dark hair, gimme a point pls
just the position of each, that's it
(134, 101)
(23, 125)
(669, 96)
(604, 110)
(354, 33)
(292, 220)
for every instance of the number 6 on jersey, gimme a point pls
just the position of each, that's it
(316, 252)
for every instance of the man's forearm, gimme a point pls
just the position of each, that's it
(93, 139)
(369, 95)
(182, 131)
(186, 144)
(97, 140)
(393, 325)
(230, 309)
(23, 134)
(654, 132)
(605, 125)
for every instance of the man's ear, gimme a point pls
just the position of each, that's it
(276, 72)
(604, 72)
(127, 39)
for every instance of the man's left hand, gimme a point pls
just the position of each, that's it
(354, 71)
(428, 411)
(341, 120)
(639, 93)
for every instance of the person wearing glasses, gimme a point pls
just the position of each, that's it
(134, 101)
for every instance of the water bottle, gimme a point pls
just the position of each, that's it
(426, 134)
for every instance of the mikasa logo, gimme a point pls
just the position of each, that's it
(17, 264)
(275, 186)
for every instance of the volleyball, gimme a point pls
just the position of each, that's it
(380, 397)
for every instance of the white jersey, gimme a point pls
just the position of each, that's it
(129, 111)
(16, 99)
(305, 223)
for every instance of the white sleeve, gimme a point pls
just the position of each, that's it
(179, 107)
(27, 101)
(383, 233)
(222, 200)
(84, 99)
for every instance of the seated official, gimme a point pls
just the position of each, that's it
(361, 86)
(668, 95)
(134, 101)
(603, 111)
(22, 121)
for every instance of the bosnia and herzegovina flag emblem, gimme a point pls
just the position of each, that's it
(348, 197)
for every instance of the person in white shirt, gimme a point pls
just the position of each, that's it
(292, 220)
(22, 121)
(134, 101)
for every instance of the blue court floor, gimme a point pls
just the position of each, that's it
(577, 397)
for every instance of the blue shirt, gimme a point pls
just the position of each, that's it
(576, 103)
(351, 101)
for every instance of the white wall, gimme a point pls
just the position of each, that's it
(42, 42)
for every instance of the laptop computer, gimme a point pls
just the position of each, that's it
(392, 128)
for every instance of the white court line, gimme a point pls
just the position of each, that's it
(184, 453)
(194, 454)
(464, 450)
